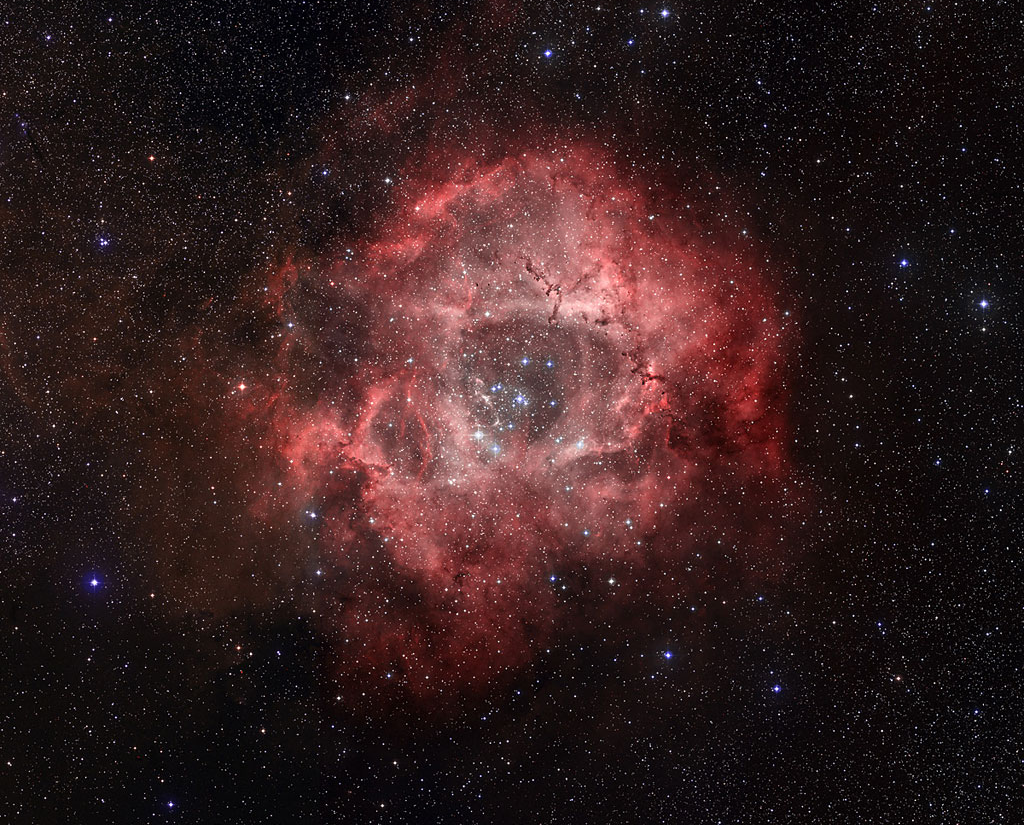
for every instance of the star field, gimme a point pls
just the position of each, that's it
(510, 412)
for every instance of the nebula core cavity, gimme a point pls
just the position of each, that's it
(556, 382)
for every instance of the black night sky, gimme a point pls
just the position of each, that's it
(542, 412)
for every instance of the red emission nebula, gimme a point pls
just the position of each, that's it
(562, 402)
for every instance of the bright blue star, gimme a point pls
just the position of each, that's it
(983, 303)
(668, 654)
(776, 688)
(548, 52)
(904, 263)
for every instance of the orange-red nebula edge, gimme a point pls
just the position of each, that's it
(535, 376)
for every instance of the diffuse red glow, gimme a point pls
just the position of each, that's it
(555, 379)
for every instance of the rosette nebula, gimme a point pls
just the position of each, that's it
(541, 377)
